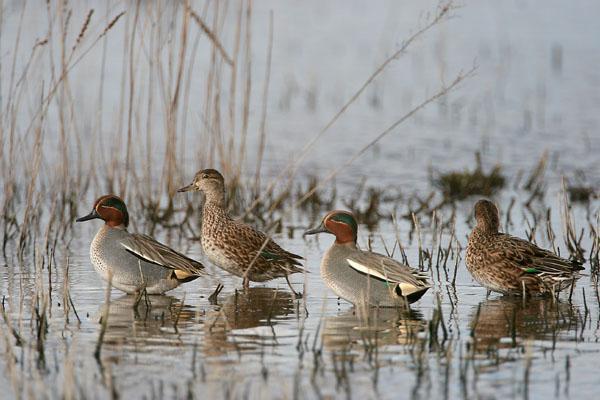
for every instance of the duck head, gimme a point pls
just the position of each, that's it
(210, 182)
(342, 224)
(487, 216)
(111, 209)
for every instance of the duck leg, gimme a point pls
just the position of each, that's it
(213, 297)
(139, 295)
(296, 294)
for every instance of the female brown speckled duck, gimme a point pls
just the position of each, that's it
(235, 246)
(509, 265)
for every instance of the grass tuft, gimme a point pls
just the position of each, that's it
(580, 194)
(458, 185)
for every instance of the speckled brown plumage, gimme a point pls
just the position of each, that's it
(510, 265)
(233, 245)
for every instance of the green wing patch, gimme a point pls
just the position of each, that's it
(267, 255)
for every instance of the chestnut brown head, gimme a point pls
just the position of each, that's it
(111, 209)
(340, 223)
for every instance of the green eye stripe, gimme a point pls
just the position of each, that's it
(346, 219)
(115, 203)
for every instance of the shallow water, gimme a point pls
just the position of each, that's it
(265, 343)
(536, 90)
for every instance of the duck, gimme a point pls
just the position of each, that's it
(235, 246)
(510, 265)
(364, 277)
(132, 262)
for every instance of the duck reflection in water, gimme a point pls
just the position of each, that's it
(231, 326)
(505, 322)
(372, 327)
(133, 321)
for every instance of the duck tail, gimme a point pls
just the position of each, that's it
(411, 292)
(577, 264)
(183, 276)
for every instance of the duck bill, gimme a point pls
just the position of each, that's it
(92, 215)
(319, 229)
(186, 188)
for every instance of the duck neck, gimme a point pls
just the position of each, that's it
(215, 198)
(486, 229)
(345, 241)
(113, 226)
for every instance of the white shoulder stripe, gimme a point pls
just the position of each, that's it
(129, 248)
(142, 255)
(405, 288)
(365, 270)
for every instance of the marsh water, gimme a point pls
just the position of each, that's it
(535, 92)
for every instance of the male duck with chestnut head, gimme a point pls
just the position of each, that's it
(365, 277)
(134, 262)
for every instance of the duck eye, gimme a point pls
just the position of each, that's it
(205, 176)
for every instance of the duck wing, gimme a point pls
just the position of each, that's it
(252, 240)
(387, 269)
(152, 251)
(515, 253)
